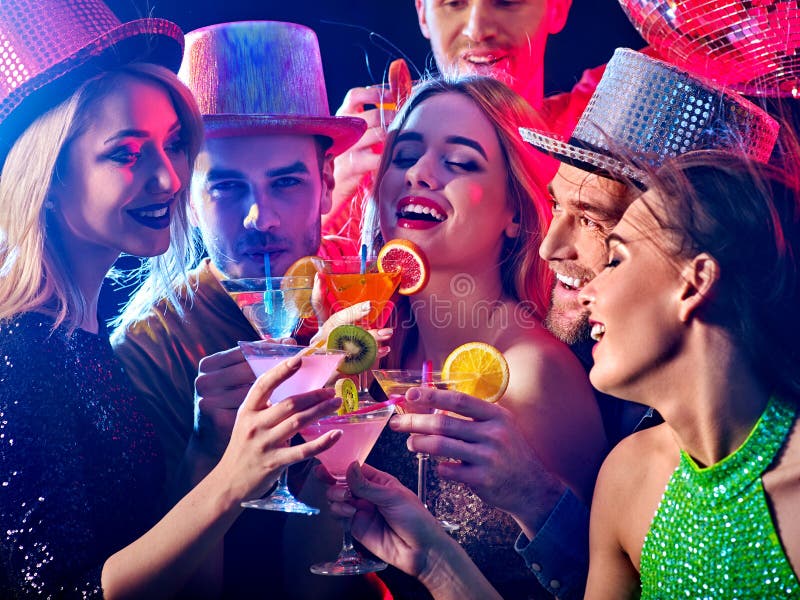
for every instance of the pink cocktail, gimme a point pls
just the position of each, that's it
(360, 431)
(317, 367)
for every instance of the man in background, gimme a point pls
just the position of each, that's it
(504, 40)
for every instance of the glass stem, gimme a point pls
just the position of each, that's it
(422, 477)
(283, 482)
(362, 383)
(347, 553)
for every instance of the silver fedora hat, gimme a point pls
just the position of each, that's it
(645, 111)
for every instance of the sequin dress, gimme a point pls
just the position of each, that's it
(713, 535)
(487, 534)
(78, 464)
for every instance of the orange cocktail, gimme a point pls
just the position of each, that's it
(348, 286)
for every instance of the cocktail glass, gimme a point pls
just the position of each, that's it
(360, 430)
(348, 286)
(317, 367)
(395, 383)
(274, 306)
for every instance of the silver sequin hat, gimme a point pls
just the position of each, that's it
(262, 76)
(645, 110)
(48, 48)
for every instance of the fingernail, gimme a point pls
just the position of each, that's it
(383, 351)
(294, 362)
(336, 434)
(413, 394)
(385, 332)
(364, 307)
(393, 423)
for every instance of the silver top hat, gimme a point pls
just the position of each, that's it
(262, 77)
(645, 110)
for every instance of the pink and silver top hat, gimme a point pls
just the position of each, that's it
(645, 111)
(752, 47)
(263, 77)
(48, 48)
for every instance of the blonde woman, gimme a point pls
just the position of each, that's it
(98, 138)
(456, 179)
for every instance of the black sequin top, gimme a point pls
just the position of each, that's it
(78, 464)
(486, 533)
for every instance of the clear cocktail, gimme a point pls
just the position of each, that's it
(360, 431)
(274, 306)
(395, 383)
(316, 369)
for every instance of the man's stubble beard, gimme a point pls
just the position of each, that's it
(565, 327)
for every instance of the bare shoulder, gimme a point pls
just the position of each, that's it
(538, 360)
(554, 406)
(639, 455)
(631, 484)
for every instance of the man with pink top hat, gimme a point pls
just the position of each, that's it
(642, 112)
(261, 183)
(503, 40)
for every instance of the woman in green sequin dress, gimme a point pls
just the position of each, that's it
(696, 314)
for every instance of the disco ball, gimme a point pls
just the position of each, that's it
(752, 46)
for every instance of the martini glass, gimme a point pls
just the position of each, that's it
(395, 383)
(360, 431)
(351, 280)
(348, 284)
(274, 306)
(317, 367)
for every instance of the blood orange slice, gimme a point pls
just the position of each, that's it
(410, 260)
(400, 81)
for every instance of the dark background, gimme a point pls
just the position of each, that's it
(352, 57)
(359, 38)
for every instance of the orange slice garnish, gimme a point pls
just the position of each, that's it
(480, 370)
(301, 298)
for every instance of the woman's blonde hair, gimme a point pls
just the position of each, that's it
(33, 273)
(525, 277)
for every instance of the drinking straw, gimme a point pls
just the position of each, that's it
(427, 373)
(363, 259)
(268, 288)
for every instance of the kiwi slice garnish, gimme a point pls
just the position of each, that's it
(360, 348)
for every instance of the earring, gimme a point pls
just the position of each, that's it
(49, 204)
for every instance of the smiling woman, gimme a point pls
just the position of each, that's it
(457, 180)
(119, 170)
(702, 327)
(97, 136)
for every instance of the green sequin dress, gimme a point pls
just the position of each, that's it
(712, 535)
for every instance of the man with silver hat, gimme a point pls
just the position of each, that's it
(643, 111)
(260, 184)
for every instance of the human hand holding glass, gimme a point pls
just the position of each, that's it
(317, 366)
(395, 383)
(360, 430)
(259, 445)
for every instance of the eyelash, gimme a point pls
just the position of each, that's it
(125, 155)
(404, 162)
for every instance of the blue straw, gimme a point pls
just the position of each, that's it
(268, 288)
(363, 259)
